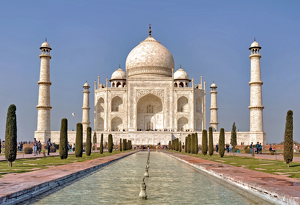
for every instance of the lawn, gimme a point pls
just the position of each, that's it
(27, 165)
(264, 165)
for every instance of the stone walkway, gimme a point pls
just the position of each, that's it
(16, 188)
(280, 188)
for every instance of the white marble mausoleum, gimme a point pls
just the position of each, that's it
(150, 102)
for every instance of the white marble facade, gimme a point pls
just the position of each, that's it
(149, 103)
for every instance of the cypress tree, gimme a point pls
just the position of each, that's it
(176, 142)
(233, 137)
(79, 143)
(288, 139)
(169, 145)
(11, 135)
(185, 147)
(101, 144)
(63, 144)
(88, 141)
(110, 143)
(180, 146)
(120, 145)
(222, 143)
(211, 142)
(196, 145)
(190, 144)
(204, 142)
(124, 145)
(95, 140)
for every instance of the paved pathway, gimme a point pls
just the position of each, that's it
(276, 186)
(264, 156)
(27, 185)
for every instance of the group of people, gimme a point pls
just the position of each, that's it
(256, 148)
(37, 147)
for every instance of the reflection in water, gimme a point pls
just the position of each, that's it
(170, 182)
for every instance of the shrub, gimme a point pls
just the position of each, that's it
(124, 145)
(88, 141)
(79, 144)
(63, 148)
(288, 139)
(95, 140)
(52, 149)
(101, 144)
(180, 146)
(120, 146)
(233, 137)
(196, 143)
(190, 143)
(211, 142)
(185, 147)
(110, 143)
(221, 143)
(271, 153)
(11, 135)
(28, 150)
(204, 142)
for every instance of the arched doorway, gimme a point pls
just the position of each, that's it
(149, 113)
(182, 124)
(116, 124)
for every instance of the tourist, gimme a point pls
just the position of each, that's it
(230, 148)
(260, 148)
(295, 148)
(251, 148)
(74, 147)
(271, 149)
(34, 146)
(148, 148)
(182, 145)
(217, 147)
(257, 147)
(227, 148)
(39, 147)
(68, 147)
(48, 146)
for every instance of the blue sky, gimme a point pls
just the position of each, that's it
(208, 38)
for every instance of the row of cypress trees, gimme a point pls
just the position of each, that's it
(125, 144)
(191, 143)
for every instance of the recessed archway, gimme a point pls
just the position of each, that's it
(116, 104)
(149, 113)
(182, 104)
(182, 124)
(100, 124)
(116, 124)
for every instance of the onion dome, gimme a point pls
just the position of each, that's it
(118, 74)
(180, 74)
(254, 45)
(213, 85)
(45, 45)
(149, 59)
(86, 85)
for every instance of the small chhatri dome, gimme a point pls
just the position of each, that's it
(213, 85)
(86, 85)
(149, 59)
(45, 45)
(254, 45)
(181, 74)
(118, 74)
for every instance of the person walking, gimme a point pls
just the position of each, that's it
(48, 146)
(39, 147)
(34, 146)
(251, 148)
(230, 148)
(217, 147)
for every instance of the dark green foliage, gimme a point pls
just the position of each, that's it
(288, 138)
(177, 143)
(180, 146)
(101, 144)
(190, 144)
(169, 145)
(124, 145)
(110, 143)
(88, 141)
(120, 146)
(222, 143)
(79, 140)
(204, 142)
(11, 135)
(28, 150)
(185, 139)
(63, 144)
(233, 141)
(211, 142)
(196, 144)
(95, 140)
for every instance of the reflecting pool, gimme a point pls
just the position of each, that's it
(170, 182)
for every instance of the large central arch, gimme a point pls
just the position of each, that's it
(149, 113)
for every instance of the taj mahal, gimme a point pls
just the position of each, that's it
(149, 102)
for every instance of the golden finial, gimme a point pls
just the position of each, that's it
(149, 29)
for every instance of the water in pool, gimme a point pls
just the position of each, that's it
(170, 182)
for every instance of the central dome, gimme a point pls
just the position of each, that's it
(149, 59)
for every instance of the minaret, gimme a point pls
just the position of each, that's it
(86, 107)
(256, 107)
(213, 107)
(43, 121)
